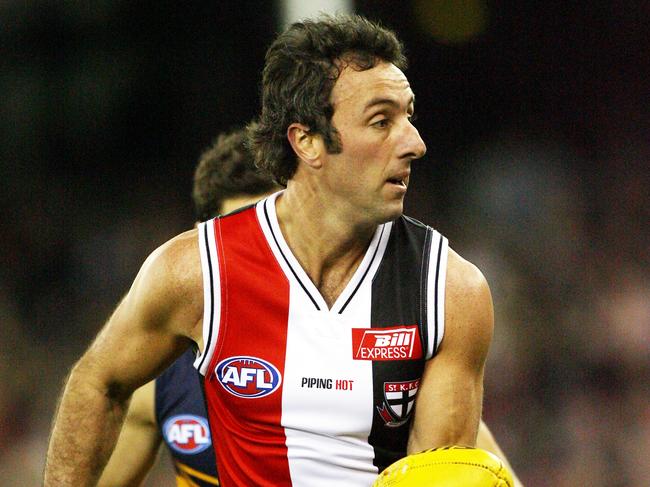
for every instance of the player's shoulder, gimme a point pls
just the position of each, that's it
(173, 271)
(178, 246)
(469, 313)
(464, 277)
(177, 256)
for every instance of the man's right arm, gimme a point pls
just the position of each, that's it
(156, 321)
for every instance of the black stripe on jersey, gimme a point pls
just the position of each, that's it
(435, 300)
(396, 300)
(268, 221)
(366, 271)
(207, 253)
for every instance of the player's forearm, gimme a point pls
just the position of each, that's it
(86, 428)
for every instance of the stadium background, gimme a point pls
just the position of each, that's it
(538, 131)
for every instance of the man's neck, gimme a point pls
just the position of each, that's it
(329, 245)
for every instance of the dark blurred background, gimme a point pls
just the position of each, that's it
(538, 131)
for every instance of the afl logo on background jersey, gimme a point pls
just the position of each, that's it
(248, 377)
(187, 433)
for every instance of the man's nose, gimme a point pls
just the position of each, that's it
(413, 145)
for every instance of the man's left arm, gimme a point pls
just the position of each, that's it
(449, 401)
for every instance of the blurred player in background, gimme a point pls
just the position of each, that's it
(172, 408)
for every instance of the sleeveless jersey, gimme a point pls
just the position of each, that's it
(299, 394)
(182, 419)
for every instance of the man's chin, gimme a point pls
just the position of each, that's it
(393, 211)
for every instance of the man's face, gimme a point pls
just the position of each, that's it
(372, 112)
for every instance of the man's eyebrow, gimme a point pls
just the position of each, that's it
(387, 101)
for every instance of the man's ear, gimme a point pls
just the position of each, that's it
(307, 145)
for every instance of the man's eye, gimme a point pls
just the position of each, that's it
(383, 123)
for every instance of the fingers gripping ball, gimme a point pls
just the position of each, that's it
(452, 466)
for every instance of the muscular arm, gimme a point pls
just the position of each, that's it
(138, 443)
(152, 326)
(448, 406)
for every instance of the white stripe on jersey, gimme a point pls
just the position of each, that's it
(211, 295)
(436, 292)
(341, 437)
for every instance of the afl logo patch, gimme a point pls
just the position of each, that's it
(187, 433)
(248, 377)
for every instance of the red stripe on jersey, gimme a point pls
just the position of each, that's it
(243, 385)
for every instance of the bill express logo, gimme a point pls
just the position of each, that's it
(187, 433)
(395, 343)
(248, 377)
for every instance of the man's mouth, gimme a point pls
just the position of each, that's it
(399, 181)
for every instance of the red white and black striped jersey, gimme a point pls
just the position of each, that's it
(299, 394)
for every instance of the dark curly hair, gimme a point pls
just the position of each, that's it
(301, 67)
(226, 169)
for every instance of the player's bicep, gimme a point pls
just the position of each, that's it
(449, 399)
(469, 315)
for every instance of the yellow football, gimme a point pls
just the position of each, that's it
(450, 466)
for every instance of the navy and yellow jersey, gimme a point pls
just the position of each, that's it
(181, 417)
